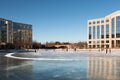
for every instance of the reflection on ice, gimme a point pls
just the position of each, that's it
(103, 69)
(63, 65)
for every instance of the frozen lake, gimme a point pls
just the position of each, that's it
(60, 65)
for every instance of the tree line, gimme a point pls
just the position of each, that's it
(63, 45)
(48, 45)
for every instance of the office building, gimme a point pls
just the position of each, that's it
(17, 34)
(104, 32)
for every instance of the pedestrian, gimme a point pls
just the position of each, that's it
(98, 50)
(35, 50)
(74, 49)
(106, 50)
(109, 50)
(67, 49)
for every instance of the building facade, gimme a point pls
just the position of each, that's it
(17, 34)
(104, 32)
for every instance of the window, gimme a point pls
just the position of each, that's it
(89, 41)
(102, 41)
(107, 20)
(94, 32)
(117, 43)
(93, 22)
(98, 41)
(90, 35)
(107, 41)
(98, 22)
(107, 30)
(113, 27)
(112, 43)
(107, 46)
(102, 46)
(94, 46)
(89, 23)
(118, 27)
(98, 32)
(98, 46)
(2, 23)
(102, 21)
(102, 31)
(89, 46)
(10, 24)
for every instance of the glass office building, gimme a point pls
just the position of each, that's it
(18, 34)
(104, 32)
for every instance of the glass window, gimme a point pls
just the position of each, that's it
(107, 46)
(107, 41)
(30, 27)
(102, 41)
(10, 24)
(94, 32)
(89, 46)
(113, 26)
(98, 32)
(90, 35)
(118, 43)
(94, 46)
(98, 46)
(102, 21)
(2, 23)
(98, 41)
(89, 23)
(112, 43)
(107, 30)
(93, 22)
(98, 22)
(89, 41)
(102, 31)
(118, 27)
(107, 20)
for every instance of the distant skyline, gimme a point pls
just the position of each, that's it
(57, 20)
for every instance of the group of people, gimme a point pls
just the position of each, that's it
(108, 50)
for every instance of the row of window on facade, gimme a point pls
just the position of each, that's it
(22, 26)
(98, 30)
(105, 36)
(3, 25)
(97, 22)
(103, 45)
(98, 46)
(94, 42)
(92, 30)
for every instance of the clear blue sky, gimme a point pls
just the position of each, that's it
(57, 20)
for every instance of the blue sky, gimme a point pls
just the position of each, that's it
(57, 20)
